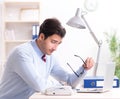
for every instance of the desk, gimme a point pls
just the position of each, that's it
(113, 94)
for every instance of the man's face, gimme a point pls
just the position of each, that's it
(47, 46)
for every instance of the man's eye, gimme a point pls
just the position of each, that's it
(53, 42)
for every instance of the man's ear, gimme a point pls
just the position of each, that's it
(42, 36)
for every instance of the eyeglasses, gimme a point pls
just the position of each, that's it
(73, 69)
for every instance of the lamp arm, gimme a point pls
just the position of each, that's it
(99, 43)
(97, 60)
(91, 32)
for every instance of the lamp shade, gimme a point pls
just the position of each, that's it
(76, 21)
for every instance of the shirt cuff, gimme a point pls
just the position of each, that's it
(83, 70)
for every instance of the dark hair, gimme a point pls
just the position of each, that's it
(52, 26)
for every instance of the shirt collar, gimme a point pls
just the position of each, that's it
(36, 48)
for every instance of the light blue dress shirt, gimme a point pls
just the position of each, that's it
(26, 73)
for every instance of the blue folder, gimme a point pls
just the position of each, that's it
(97, 82)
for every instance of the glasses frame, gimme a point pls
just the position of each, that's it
(73, 69)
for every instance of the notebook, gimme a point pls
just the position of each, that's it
(108, 80)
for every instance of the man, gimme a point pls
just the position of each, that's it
(29, 65)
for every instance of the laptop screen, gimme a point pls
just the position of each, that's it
(109, 75)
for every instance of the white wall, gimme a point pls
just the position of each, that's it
(0, 30)
(0, 37)
(78, 41)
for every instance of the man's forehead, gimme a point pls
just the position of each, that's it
(56, 38)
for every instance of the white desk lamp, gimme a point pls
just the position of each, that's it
(77, 23)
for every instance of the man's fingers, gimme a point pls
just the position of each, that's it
(89, 63)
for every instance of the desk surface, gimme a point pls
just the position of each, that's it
(113, 94)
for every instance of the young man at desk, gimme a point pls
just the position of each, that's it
(29, 65)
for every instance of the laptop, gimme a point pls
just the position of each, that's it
(107, 83)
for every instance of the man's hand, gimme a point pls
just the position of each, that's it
(89, 63)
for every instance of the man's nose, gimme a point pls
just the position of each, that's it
(55, 47)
